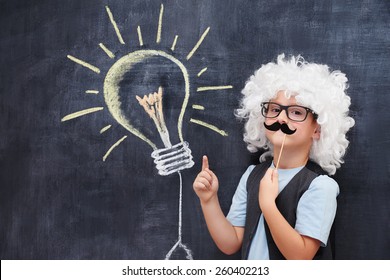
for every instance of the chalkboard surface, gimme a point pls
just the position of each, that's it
(77, 176)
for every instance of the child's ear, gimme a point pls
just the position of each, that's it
(317, 132)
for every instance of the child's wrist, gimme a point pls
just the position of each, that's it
(267, 206)
(210, 201)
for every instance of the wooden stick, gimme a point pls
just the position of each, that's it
(281, 150)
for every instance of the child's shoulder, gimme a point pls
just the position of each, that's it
(325, 184)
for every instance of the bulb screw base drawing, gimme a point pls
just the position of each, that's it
(173, 159)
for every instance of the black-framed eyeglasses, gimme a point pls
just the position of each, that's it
(294, 112)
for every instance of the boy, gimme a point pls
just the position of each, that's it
(298, 111)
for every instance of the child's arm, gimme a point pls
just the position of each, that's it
(227, 237)
(289, 242)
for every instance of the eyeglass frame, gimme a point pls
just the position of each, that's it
(285, 108)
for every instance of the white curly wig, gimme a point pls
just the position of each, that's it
(313, 86)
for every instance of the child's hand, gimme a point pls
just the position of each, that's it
(206, 183)
(269, 188)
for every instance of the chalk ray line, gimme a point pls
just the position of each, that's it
(141, 41)
(197, 45)
(107, 51)
(210, 126)
(81, 113)
(174, 43)
(202, 71)
(197, 107)
(83, 63)
(213, 88)
(117, 143)
(118, 33)
(159, 27)
(92, 91)
(104, 129)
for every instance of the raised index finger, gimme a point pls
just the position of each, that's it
(205, 163)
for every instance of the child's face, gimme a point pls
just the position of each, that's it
(306, 130)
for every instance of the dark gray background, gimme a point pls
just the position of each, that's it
(59, 200)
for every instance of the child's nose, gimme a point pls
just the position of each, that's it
(282, 118)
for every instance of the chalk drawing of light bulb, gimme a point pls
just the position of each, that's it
(147, 92)
(171, 158)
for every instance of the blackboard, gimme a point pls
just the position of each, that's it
(60, 200)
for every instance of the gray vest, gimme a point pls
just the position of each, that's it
(287, 203)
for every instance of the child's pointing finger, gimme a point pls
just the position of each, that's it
(205, 163)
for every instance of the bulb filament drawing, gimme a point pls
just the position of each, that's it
(153, 106)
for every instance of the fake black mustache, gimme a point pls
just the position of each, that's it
(283, 127)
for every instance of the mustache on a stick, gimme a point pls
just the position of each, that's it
(283, 127)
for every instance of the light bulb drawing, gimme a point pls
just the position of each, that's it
(145, 113)
(112, 96)
(170, 159)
